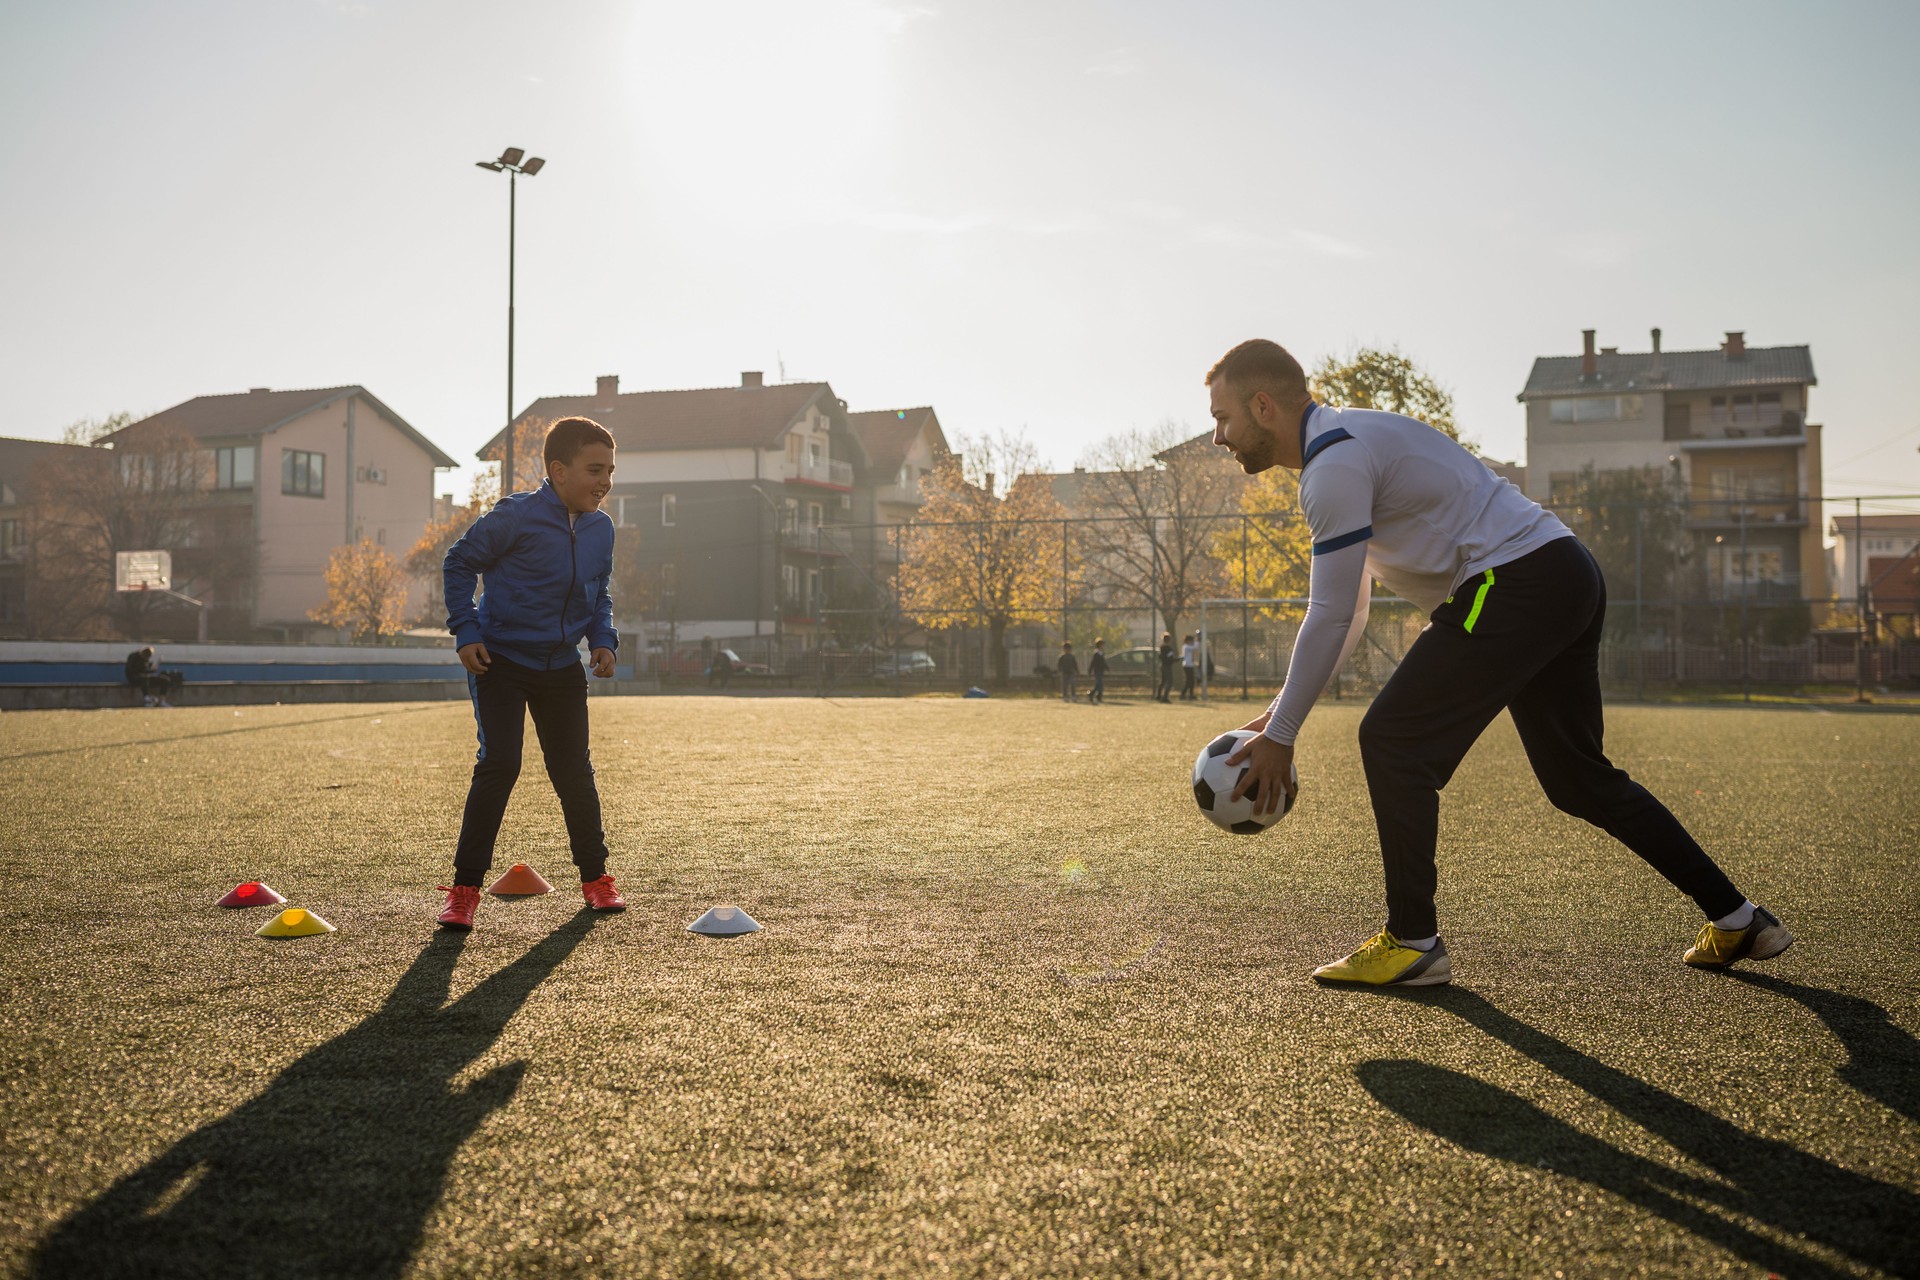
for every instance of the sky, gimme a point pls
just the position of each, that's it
(1048, 218)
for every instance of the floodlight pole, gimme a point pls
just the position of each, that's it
(513, 162)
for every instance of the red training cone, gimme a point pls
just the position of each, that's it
(521, 881)
(251, 894)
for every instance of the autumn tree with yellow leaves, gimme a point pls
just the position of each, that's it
(985, 548)
(366, 592)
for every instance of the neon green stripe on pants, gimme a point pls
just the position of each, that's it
(1479, 599)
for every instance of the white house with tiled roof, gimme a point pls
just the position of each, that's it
(291, 475)
(1732, 422)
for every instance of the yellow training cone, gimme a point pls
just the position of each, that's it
(294, 922)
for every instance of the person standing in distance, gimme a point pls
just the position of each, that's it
(1516, 605)
(1168, 655)
(1190, 666)
(1097, 668)
(546, 557)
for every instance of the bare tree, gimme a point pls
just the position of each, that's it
(1159, 499)
(142, 493)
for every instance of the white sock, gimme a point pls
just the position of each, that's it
(1420, 944)
(1737, 919)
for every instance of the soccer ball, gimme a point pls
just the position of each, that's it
(1214, 781)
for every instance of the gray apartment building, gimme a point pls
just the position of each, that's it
(754, 506)
(1732, 422)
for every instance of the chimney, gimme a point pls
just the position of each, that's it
(606, 386)
(1609, 351)
(1589, 367)
(258, 391)
(1656, 343)
(1735, 347)
(752, 379)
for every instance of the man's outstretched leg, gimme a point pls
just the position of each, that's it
(1561, 724)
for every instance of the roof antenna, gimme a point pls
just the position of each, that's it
(782, 362)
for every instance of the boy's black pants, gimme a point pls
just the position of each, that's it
(558, 701)
(1524, 636)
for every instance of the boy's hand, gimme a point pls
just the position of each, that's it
(1269, 773)
(475, 658)
(602, 662)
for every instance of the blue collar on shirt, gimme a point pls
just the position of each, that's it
(1334, 436)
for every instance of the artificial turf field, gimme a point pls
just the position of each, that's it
(1017, 1010)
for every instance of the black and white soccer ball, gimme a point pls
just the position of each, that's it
(1214, 781)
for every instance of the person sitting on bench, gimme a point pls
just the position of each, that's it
(144, 674)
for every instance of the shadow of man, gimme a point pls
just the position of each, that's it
(332, 1170)
(1883, 1061)
(1803, 1195)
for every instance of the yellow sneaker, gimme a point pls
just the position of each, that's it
(1715, 948)
(1383, 962)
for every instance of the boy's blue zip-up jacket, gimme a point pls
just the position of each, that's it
(546, 581)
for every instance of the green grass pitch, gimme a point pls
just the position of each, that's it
(1017, 1009)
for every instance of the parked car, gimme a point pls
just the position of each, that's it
(691, 660)
(1143, 664)
(912, 664)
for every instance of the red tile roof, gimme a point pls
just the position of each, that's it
(708, 418)
(252, 413)
(887, 435)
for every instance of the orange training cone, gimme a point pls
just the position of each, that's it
(521, 881)
(293, 923)
(251, 894)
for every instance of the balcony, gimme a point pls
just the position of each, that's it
(1780, 437)
(827, 474)
(1728, 514)
(812, 538)
(906, 495)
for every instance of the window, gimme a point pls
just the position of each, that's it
(667, 506)
(793, 448)
(1744, 484)
(814, 516)
(13, 540)
(1758, 410)
(379, 537)
(233, 467)
(303, 473)
(1594, 409)
(813, 453)
(7, 496)
(13, 600)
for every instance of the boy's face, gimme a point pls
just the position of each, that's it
(584, 482)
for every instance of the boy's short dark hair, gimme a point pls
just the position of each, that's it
(568, 436)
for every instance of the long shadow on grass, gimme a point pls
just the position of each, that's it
(333, 1170)
(1883, 1061)
(1759, 1178)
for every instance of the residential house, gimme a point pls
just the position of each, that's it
(736, 501)
(1878, 557)
(902, 447)
(1732, 423)
(293, 475)
(19, 459)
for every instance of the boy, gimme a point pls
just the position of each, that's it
(1097, 668)
(1516, 605)
(546, 556)
(1069, 671)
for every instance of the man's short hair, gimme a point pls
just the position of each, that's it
(568, 436)
(1260, 365)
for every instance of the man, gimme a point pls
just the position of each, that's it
(1516, 606)
(1168, 655)
(1190, 666)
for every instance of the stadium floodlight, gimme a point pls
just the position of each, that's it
(509, 164)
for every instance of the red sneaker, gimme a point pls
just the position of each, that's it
(462, 901)
(602, 896)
